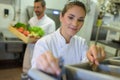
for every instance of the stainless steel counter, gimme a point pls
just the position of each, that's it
(11, 48)
(84, 71)
(10, 41)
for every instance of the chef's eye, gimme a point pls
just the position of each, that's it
(36, 7)
(70, 17)
(81, 20)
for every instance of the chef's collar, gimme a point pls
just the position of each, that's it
(61, 38)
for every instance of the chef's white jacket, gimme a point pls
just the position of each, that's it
(72, 53)
(47, 24)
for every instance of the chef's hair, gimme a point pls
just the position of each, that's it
(42, 2)
(70, 4)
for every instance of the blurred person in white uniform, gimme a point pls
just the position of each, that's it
(42, 20)
(64, 43)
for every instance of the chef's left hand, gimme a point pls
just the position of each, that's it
(95, 54)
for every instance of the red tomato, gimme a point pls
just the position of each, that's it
(21, 29)
(26, 33)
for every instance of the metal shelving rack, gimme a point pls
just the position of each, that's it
(113, 44)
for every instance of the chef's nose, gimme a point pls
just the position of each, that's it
(74, 22)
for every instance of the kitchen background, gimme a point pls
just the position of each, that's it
(12, 11)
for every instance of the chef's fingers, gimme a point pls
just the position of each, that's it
(48, 63)
(90, 58)
(42, 62)
(98, 54)
(54, 64)
(92, 53)
(101, 54)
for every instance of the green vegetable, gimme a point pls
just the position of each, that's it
(36, 31)
(18, 25)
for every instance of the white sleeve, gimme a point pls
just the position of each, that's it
(40, 47)
(84, 51)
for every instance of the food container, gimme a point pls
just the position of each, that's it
(105, 71)
(72, 73)
(109, 67)
(25, 39)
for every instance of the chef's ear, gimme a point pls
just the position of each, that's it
(44, 8)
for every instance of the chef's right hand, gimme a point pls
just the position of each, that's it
(48, 63)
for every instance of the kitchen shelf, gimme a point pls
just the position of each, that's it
(117, 29)
(113, 43)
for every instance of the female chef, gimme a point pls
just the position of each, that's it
(64, 43)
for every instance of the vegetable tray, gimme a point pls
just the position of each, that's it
(26, 39)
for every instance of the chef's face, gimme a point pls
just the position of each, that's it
(38, 8)
(72, 20)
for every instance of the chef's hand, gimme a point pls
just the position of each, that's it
(35, 39)
(48, 63)
(95, 54)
